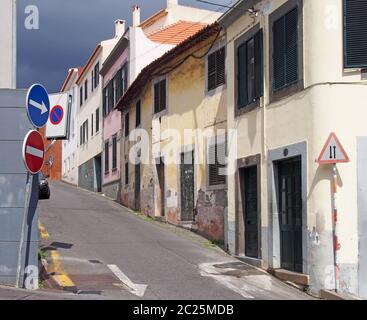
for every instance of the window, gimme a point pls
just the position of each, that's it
(217, 164)
(114, 92)
(126, 173)
(96, 75)
(106, 157)
(160, 97)
(92, 123)
(105, 101)
(114, 152)
(250, 70)
(285, 55)
(81, 135)
(92, 81)
(216, 69)
(138, 114)
(86, 90)
(110, 97)
(127, 128)
(355, 34)
(97, 120)
(81, 95)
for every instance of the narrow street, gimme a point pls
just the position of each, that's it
(107, 252)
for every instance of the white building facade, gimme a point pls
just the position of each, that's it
(8, 42)
(69, 146)
(90, 116)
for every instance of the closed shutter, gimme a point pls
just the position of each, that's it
(127, 129)
(138, 114)
(211, 72)
(106, 157)
(216, 69)
(242, 75)
(156, 98)
(81, 135)
(118, 85)
(160, 98)
(285, 56)
(256, 86)
(259, 82)
(355, 33)
(216, 164)
(110, 96)
(114, 153)
(163, 97)
(97, 120)
(221, 62)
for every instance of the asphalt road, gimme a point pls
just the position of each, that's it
(110, 253)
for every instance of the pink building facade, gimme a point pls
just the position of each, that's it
(115, 82)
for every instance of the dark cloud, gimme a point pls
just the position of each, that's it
(69, 31)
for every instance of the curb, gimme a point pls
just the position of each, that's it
(331, 295)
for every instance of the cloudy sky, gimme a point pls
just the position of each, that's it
(68, 32)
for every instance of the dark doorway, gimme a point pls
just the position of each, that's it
(137, 187)
(98, 172)
(249, 193)
(161, 193)
(187, 186)
(290, 213)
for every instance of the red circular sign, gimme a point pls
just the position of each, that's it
(33, 151)
(56, 115)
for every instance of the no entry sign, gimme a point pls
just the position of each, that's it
(33, 151)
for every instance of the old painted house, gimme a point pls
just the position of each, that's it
(295, 73)
(184, 91)
(142, 43)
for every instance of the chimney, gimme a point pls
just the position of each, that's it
(171, 3)
(136, 16)
(119, 28)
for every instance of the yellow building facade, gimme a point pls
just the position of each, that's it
(280, 198)
(181, 110)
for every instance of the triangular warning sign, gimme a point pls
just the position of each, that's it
(333, 151)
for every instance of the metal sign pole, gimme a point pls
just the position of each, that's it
(336, 244)
(25, 214)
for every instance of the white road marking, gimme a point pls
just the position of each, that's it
(136, 289)
(34, 152)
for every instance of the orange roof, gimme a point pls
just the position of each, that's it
(176, 33)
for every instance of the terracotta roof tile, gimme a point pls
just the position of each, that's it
(176, 33)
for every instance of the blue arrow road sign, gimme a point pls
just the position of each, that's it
(38, 105)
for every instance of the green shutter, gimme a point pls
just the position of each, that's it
(285, 55)
(355, 33)
(242, 76)
(259, 65)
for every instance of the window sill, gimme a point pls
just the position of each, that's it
(160, 114)
(216, 187)
(248, 108)
(213, 92)
(278, 95)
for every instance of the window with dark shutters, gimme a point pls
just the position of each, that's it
(285, 55)
(217, 164)
(97, 120)
(86, 90)
(106, 157)
(355, 34)
(160, 96)
(81, 95)
(127, 126)
(114, 153)
(110, 96)
(81, 135)
(216, 69)
(250, 70)
(138, 114)
(105, 101)
(126, 173)
(96, 75)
